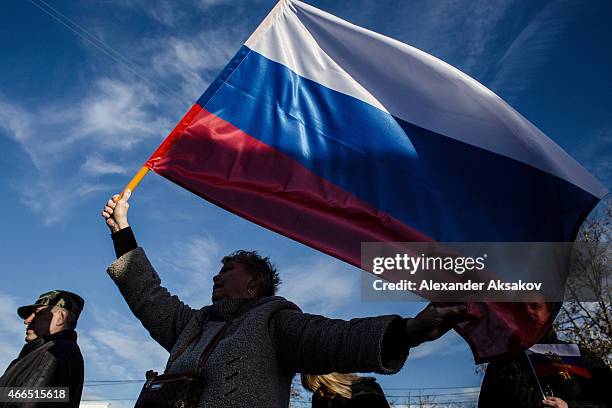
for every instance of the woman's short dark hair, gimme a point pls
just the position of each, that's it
(259, 266)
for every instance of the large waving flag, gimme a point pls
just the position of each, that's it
(334, 135)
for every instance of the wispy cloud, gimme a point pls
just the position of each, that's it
(117, 115)
(479, 29)
(96, 165)
(15, 122)
(206, 4)
(190, 63)
(52, 199)
(596, 156)
(118, 347)
(472, 23)
(71, 139)
(191, 265)
(114, 115)
(12, 330)
(168, 13)
(456, 31)
(319, 285)
(525, 55)
(113, 118)
(450, 343)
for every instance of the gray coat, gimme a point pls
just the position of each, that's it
(254, 363)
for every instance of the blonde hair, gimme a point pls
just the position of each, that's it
(330, 384)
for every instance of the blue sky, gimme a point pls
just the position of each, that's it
(77, 120)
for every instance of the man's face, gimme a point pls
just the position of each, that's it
(538, 313)
(39, 323)
(231, 282)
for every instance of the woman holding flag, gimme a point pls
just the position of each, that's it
(245, 348)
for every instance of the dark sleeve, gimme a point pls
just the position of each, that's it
(124, 241)
(318, 345)
(395, 342)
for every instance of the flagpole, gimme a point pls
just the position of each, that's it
(535, 375)
(134, 181)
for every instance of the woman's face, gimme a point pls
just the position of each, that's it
(232, 282)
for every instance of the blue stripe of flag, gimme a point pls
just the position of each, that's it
(446, 189)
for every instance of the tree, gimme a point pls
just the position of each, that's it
(589, 324)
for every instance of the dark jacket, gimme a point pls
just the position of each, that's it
(53, 361)
(366, 394)
(511, 383)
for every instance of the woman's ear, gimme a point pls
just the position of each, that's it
(253, 285)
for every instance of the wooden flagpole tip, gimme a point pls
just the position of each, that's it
(134, 182)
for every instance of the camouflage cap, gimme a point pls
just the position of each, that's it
(60, 298)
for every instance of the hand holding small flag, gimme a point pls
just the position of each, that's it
(554, 402)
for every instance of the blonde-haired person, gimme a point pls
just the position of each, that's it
(344, 390)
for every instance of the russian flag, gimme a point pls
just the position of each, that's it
(554, 360)
(334, 135)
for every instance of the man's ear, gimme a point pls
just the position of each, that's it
(61, 318)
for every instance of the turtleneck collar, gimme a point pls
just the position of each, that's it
(228, 309)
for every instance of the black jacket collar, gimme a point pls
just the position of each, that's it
(33, 345)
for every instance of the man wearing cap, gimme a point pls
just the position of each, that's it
(51, 356)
